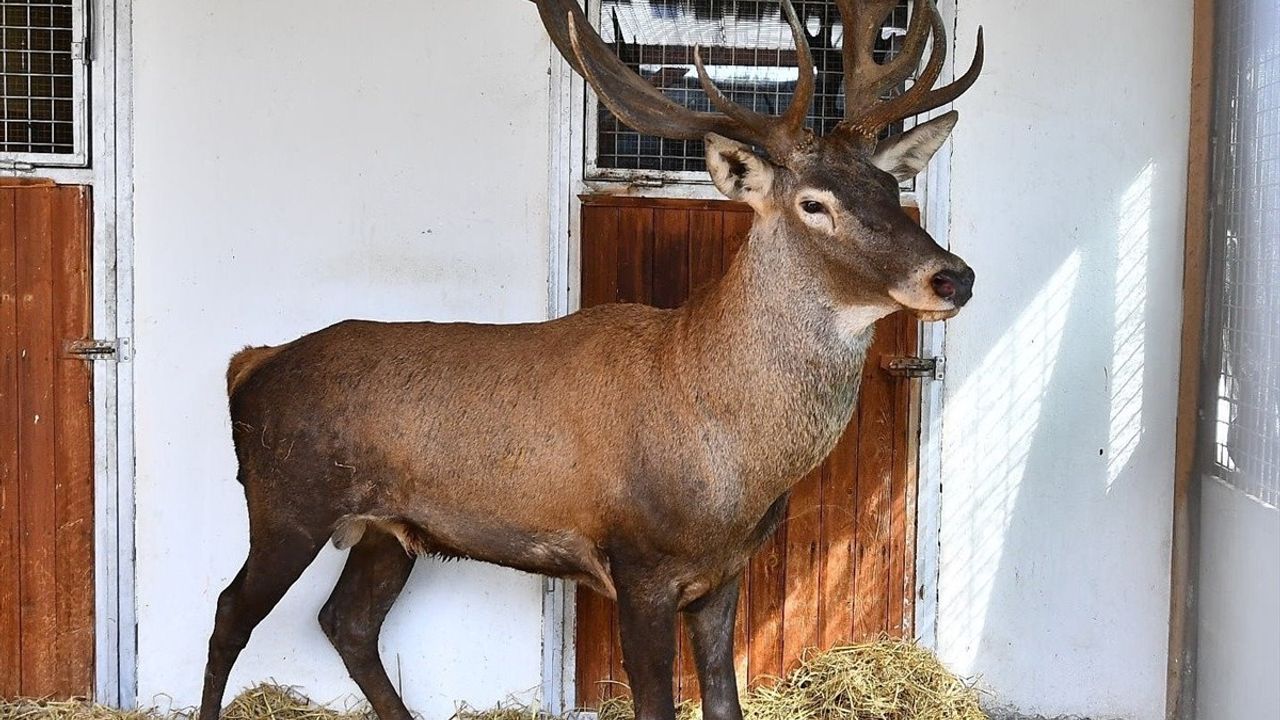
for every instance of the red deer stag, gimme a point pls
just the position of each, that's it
(643, 452)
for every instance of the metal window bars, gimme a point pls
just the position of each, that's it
(42, 81)
(748, 50)
(1243, 361)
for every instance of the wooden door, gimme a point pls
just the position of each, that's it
(842, 567)
(46, 443)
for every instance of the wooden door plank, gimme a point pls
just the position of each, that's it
(74, 449)
(765, 614)
(599, 256)
(901, 560)
(635, 255)
(670, 258)
(838, 504)
(706, 248)
(620, 685)
(10, 508)
(736, 227)
(594, 646)
(803, 574)
(875, 468)
(36, 427)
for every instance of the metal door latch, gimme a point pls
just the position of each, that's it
(98, 349)
(914, 367)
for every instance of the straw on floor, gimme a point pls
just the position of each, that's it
(886, 680)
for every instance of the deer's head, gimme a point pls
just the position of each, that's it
(834, 198)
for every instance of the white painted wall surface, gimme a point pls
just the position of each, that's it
(296, 164)
(1239, 613)
(1067, 197)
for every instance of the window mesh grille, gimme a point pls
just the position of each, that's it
(749, 52)
(37, 77)
(1245, 305)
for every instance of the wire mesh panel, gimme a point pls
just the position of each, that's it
(1245, 359)
(42, 78)
(749, 51)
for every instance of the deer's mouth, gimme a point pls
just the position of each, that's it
(936, 315)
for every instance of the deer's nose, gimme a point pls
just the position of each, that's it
(954, 285)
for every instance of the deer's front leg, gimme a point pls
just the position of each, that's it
(647, 620)
(710, 621)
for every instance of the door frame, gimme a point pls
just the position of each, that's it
(567, 143)
(109, 174)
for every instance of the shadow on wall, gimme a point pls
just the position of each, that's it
(1049, 425)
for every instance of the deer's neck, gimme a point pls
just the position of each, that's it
(774, 362)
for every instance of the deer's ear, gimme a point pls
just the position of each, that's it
(738, 172)
(905, 155)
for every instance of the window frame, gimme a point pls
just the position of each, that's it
(80, 59)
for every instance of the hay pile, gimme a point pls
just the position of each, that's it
(886, 680)
(263, 702)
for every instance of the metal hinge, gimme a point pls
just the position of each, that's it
(914, 367)
(647, 182)
(16, 166)
(117, 350)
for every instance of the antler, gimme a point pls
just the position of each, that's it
(866, 81)
(645, 109)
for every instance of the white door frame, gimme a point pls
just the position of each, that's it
(110, 175)
(568, 128)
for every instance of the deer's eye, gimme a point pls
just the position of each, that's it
(813, 207)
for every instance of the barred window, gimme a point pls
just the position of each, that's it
(43, 81)
(1244, 334)
(749, 52)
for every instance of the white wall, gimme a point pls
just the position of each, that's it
(1067, 197)
(296, 164)
(1239, 612)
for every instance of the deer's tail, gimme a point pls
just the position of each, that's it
(244, 363)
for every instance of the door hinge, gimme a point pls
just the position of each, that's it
(914, 367)
(648, 182)
(117, 350)
(16, 166)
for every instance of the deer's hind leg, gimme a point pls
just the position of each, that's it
(372, 579)
(278, 553)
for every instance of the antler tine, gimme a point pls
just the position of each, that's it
(865, 79)
(781, 133)
(634, 101)
(807, 81)
(644, 108)
(867, 121)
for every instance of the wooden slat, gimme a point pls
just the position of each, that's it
(73, 432)
(838, 502)
(36, 426)
(907, 473)
(875, 468)
(635, 255)
(737, 225)
(901, 408)
(594, 645)
(1183, 641)
(706, 248)
(803, 574)
(620, 685)
(10, 508)
(670, 258)
(766, 596)
(599, 256)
